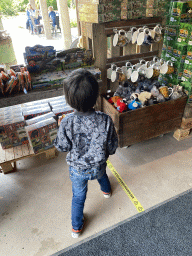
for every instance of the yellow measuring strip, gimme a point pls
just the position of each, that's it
(133, 199)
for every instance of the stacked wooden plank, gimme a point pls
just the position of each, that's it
(8, 157)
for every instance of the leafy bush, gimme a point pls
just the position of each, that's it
(7, 8)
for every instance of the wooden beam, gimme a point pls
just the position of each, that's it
(132, 57)
(126, 24)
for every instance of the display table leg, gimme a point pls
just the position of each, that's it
(7, 167)
(50, 153)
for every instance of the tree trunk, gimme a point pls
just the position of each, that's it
(64, 22)
(78, 22)
(45, 17)
(1, 23)
(32, 2)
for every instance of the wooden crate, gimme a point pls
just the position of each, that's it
(8, 157)
(145, 123)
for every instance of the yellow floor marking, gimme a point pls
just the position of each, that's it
(125, 188)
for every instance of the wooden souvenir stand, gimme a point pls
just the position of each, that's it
(144, 123)
(8, 157)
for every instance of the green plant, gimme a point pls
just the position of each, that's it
(69, 3)
(73, 23)
(52, 3)
(7, 8)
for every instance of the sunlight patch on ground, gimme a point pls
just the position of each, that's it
(16, 27)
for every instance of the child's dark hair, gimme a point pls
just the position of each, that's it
(81, 90)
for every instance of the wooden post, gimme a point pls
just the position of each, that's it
(46, 20)
(50, 153)
(100, 52)
(7, 167)
(78, 22)
(65, 23)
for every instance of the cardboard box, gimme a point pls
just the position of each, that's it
(12, 132)
(41, 134)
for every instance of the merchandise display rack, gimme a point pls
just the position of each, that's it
(144, 123)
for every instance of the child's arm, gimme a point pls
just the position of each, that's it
(62, 141)
(112, 140)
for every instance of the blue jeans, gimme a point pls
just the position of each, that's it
(79, 179)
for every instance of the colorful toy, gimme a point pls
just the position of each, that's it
(5, 77)
(11, 84)
(121, 106)
(114, 99)
(134, 105)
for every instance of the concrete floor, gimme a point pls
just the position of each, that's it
(36, 200)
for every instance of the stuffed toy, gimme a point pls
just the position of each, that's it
(177, 92)
(160, 98)
(114, 99)
(121, 106)
(124, 91)
(157, 97)
(134, 96)
(156, 83)
(144, 97)
(154, 91)
(134, 105)
(145, 85)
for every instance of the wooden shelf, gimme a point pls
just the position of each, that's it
(8, 157)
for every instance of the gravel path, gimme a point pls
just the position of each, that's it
(16, 27)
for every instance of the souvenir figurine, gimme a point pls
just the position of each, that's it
(4, 76)
(11, 84)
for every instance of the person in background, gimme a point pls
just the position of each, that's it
(52, 16)
(90, 137)
(37, 18)
(29, 12)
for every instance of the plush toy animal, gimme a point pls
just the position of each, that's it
(114, 99)
(144, 97)
(134, 105)
(157, 95)
(121, 106)
(134, 96)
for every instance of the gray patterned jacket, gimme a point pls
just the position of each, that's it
(89, 137)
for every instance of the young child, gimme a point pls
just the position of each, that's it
(90, 138)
